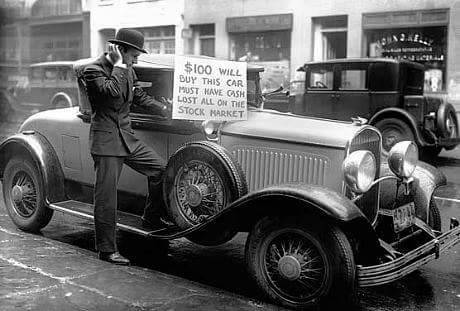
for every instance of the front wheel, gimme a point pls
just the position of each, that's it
(23, 192)
(302, 264)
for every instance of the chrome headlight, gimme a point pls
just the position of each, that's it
(211, 129)
(403, 158)
(359, 170)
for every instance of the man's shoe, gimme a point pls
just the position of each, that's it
(114, 257)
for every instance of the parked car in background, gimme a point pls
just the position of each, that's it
(387, 92)
(51, 85)
(325, 214)
(7, 101)
(277, 100)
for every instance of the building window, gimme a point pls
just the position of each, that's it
(202, 41)
(51, 43)
(329, 37)
(9, 45)
(270, 49)
(43, 8)
(159, 40)
(263, 46)
(425, 45)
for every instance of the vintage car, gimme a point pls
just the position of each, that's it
(324, 211)
(386, 92)
(51, 85)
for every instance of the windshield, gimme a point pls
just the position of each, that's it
(254, 97)
(160, 84)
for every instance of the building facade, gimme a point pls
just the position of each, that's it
(42, 30)
(283, 35)
(161, 22)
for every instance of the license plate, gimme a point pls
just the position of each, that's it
(404, 217)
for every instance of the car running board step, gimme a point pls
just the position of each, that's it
(125, 221)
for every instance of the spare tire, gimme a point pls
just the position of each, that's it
(446, 121)
(201, 180)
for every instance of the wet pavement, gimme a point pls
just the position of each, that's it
(52, 271)
(58, 269)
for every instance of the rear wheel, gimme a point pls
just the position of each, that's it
(23, 191)
(393, 131)
(302, 264)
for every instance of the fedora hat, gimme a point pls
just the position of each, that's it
(131, 38)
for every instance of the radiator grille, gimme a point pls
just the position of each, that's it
(368, 139)
(264, 167)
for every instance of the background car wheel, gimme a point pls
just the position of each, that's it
(201, 180)
(393, 131)
(301, 264)
(23, 192)
(446, 121)
(434, 216)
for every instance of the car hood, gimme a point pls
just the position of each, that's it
(270, 124)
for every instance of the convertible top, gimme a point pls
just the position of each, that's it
(166, 62)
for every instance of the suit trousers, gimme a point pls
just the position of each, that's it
(108, 169)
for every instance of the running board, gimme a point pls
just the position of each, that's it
(125, 221)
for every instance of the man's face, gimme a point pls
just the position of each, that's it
(130, 56)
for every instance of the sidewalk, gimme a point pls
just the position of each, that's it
(39, 273)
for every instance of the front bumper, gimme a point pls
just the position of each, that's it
(409, 262)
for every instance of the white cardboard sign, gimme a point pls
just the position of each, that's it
(209, 89)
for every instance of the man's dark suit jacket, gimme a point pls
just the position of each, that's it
(111, 91)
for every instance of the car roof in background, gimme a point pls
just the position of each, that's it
(366, 60)
(55, 64)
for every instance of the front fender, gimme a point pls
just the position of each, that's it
(295, 200)
(403, 115)
(38, 148)
(426, 179)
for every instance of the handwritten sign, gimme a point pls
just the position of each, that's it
(209, 89)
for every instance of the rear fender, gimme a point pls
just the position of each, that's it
(402, 115)
(297, 200)
(37, 148)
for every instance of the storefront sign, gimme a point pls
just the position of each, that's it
(407, 45)
(209, 89)
(259, 23)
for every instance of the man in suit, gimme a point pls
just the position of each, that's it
(111, 85)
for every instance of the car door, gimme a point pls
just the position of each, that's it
(320, 93)
(352, 98)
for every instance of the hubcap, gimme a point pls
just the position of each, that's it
(196, 193)
(199, 191)
(16, 194)
(295, 266)
(24, 194)
(289, 267)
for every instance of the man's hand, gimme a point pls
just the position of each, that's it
(115, 54)
(167, 108)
